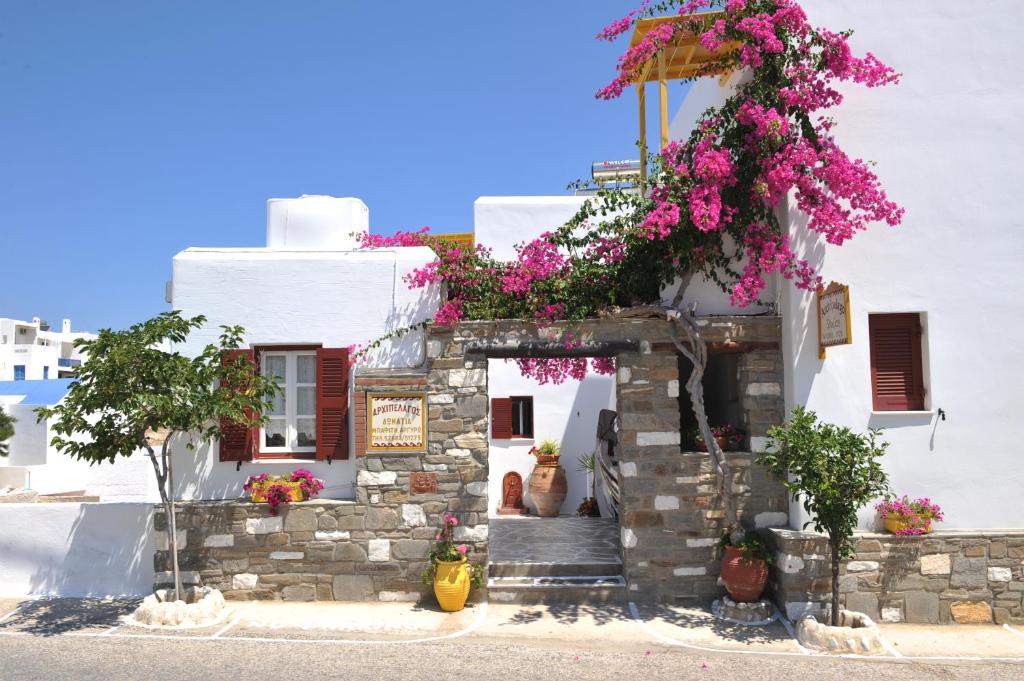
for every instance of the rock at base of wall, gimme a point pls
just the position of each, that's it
(971, 612)
(202, 606)
(857, 634)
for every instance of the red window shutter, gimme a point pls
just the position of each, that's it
(897, 375)
(501, 418)
(238, 442)
(332, 403)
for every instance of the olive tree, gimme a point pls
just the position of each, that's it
(134, 385)
(833, 472)
(6, 430)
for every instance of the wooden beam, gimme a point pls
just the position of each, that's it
(662, 100)
(642, 102)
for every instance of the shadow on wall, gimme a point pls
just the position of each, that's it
(409, 350)
(88, 549)
(580, 436)
(803, 322)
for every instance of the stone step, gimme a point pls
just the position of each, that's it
(582, 589)
(552, 569)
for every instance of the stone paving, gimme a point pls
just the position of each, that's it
(554, 540)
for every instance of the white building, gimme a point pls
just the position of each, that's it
(34, 351)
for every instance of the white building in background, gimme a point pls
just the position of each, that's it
(34, 351)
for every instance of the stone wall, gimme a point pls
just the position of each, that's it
(942, 578)
(375, 547)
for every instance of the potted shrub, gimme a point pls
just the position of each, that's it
(726, 436)
(832, 471)
(449, 572)
(745, 566)
(281, 489)
(588, 508)
(548, 486)
(906, 516)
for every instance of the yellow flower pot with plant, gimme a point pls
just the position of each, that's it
(450, 573)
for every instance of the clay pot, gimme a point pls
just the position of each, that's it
(451, 585)
(723, 444)
(548, 488)
(744, 578)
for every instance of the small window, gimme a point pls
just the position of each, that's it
(522, 417)
(46, 373)
(19, 372)
(511, 417)
(897, 370)
(291, 423)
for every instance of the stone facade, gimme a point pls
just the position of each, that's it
(375, 546)
(939, 578)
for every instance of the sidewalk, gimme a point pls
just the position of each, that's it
(600, 628)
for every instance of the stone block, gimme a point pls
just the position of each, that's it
(969, 573)
(971, 612)
(764, 390)
(937, 564)
(628, 538)
(477, 489)
(1000, 574)
(234, 565)
(348, 551)
(411, 549)
(380, 550)
(892, 615)
(789, 564)
(332, 535)
(162, 543)
(399, 596)
(666, 503)
(381, 519)
(657, 439)
(847, 584)
(376, 479)
(475, 533)
(300, 520)
(689, 571)
(469, 441)
(287, 555)
(187, 577)
(215, 541)
(627, 469)
(922, 608)
(267, 525)
(244, 581)
(413, 515)
(299, 592)
(863, 601)
(862, 566)
(353, 587)
(700, 543)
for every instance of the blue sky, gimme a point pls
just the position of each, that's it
(130, 130)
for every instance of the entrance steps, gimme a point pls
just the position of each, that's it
(556, 583)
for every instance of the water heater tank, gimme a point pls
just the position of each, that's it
(316, 223)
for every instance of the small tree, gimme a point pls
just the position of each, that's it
(6, 430)
(833, 471)
(134, 385)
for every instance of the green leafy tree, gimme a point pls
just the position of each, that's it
(6, 430)
(833, 472)
(134, 386)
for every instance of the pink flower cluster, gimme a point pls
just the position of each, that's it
(558, 370)
(309, 484)
(918, 514)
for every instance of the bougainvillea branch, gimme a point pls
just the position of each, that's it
(712, 209)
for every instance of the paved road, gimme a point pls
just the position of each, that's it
(24, 658)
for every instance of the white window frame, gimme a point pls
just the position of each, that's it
(291, 402)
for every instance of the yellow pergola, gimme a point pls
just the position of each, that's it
(682, 58)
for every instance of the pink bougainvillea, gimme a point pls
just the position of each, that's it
(712, 202)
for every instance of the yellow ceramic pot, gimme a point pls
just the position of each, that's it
(451, 585)
(295, 493)
(896, 525)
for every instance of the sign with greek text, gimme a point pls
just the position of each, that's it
(834, 327)
(397, 422)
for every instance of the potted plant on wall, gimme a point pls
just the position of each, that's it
(281, 489)
(745, 566)
(726, 436)
(449, 572)
(548, 485)
(907, 517)
(833, 472)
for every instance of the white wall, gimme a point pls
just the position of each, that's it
(76, 549)
(947, 144)
(333, 298)
(566, 412)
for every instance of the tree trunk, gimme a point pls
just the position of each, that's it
(835, 581)
(172, 523)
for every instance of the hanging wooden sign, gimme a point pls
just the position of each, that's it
(396, 422)
(834, 323)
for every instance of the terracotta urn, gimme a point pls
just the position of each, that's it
(548, 487)
(744, 578)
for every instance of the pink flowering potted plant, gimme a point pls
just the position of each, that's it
(907, 517)
(449, 571)
(275, 490)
